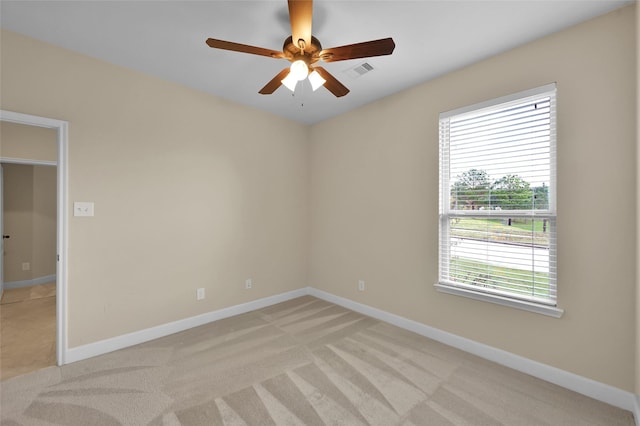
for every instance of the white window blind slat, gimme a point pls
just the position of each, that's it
(500, 130)
(497, 198)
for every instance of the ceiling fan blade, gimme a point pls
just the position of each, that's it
(275, 82)
(366, 49)
(331, 83)
(301, 17)
(244, 48)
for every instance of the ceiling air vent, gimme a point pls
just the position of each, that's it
(359, 70)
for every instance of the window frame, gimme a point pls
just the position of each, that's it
(448, 286)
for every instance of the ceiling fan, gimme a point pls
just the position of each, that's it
(304, 50)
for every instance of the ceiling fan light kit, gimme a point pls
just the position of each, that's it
(306, 52)
(316, 80)
(290, 82)
(299, 70)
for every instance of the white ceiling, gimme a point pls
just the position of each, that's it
(167, 39)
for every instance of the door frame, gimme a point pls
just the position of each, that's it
(62, 128)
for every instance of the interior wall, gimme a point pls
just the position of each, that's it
(190, 191)
(374, 201)
(44, 221)
(30, 219)
(19, 141)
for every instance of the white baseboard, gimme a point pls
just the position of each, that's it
(28, 283)
(120, 342)
(591, 388)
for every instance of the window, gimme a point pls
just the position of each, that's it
(497, 201)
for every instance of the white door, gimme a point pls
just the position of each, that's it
(2, 234)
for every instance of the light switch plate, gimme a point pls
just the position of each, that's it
(82, 208)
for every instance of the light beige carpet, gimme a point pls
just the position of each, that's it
(301, 362)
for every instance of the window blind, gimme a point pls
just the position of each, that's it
(497, 197)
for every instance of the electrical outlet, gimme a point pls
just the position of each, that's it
(361, 285)
(248, 284)
(26, 266)
(200, 294)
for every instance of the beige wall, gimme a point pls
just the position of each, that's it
(30, 219)
(189, 190)
(27, 142)
(44, 221)
(374, 201)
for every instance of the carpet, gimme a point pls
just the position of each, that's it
(301, 362)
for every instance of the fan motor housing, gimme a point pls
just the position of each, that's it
(311, 53)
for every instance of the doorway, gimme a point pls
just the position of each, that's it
(28, 305)
(7, 156)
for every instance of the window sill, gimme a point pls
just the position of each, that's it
(537, 308)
